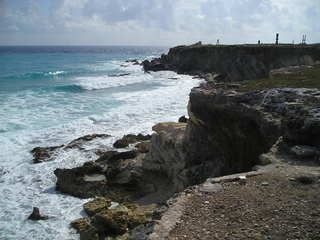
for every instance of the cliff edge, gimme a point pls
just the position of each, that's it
(234, 62)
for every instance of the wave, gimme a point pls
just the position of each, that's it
(104, 82)
(55, 73)
(36, 75)
(69, 88)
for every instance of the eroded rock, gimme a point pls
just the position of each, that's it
(108, 221)
(36, 216)
(130, 139)
(44, 154)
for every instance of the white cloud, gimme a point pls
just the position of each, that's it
(165, 22)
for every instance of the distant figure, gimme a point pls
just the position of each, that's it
(259, 42)
(304, 39)
(218, 41)
(277, 39)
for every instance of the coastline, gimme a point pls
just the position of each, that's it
(249, 127)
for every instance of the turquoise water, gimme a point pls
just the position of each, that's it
(51, 95)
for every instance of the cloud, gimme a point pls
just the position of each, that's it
(154, 22)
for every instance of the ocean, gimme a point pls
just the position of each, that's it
(52, 95)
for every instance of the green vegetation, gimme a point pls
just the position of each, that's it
(308, 78)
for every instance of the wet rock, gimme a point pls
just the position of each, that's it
(43, 154)
(113, 156)
(130, 139)
(183, 119)
(74, 181)
(35, 215)
(153, 65)
(77, 143)
(133, 61)
(121, 143)
(95, 178)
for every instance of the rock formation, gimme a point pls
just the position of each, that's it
(36, 216)
(44, 154)
(234, 62)
(228, 131)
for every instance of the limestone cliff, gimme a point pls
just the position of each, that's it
(234, 62)
(229, 130)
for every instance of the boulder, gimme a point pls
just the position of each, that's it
(77, 143)
(85, 229)
(35, 215)
(183, 119)
(44, 154)
(111, 221)
(95, 178)
(97, 205)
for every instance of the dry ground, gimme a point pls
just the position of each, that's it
(274, 205)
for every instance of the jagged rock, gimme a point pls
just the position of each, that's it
(183, 119)
(143, 147)
(43, 154)
(85, 229)
(112, 156)
(166, 152)
(35, 215)
(129, 139)
(133, 61)
(121, 143)
(95, 178)
(77, 143)
(97, 205)
(119, 220)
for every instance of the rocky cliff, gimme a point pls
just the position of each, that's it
(234, 62)
(229, 130)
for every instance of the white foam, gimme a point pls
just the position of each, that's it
(104, 82)
(55, 73)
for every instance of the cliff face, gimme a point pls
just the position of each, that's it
(234, 63)
(229, 130)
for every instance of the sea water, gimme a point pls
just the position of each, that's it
(52, 95)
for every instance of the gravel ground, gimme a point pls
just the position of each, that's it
(274, 205)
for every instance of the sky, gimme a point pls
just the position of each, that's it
(156, 22)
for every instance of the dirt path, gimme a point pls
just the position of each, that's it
(283, 203)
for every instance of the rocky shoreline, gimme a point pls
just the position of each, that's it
(141, 188)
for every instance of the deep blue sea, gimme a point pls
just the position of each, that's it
(52, 95)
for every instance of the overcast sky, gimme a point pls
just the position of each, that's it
(156, 22)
